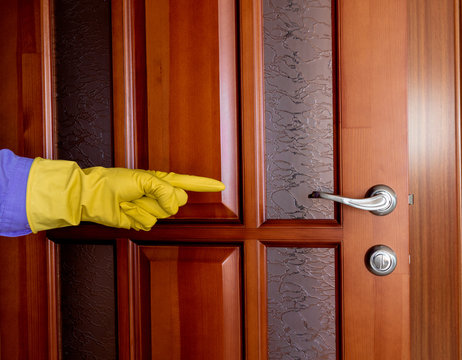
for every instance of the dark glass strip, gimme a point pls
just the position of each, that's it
(83, 86)
(83, 78)
(88, 305)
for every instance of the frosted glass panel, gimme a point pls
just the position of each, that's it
(301, 303)
(298, 108)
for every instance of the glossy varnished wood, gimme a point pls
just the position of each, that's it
(48, 119)
(23, 305)
(252, 112)
(54, 313)
(192, 121)
(9, 137)
(434, 134)
(217, 233)
(23, 280)
(255, 300)
(123, 299)
(372, 111)
(129, 83)
(188, 302)
(373, 116)
(118, 87)
(20, 66)
(458, 115)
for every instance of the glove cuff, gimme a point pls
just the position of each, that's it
(53, 194)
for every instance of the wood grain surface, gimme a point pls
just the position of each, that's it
(190, 299)
(434, 164)
(192, 89)
(23, 279)
(374, 41)
(373, 110)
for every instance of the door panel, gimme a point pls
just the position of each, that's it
(192, 89)
(188, 300)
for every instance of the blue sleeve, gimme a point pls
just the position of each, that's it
(14, 171)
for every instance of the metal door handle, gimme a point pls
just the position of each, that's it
(380, 200)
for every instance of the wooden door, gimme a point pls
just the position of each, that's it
(196, 286)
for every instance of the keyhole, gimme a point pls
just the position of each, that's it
(382, 261)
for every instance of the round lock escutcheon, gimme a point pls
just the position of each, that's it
(380, 260)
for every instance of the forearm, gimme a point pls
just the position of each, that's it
(14, 172)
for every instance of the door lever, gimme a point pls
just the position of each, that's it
(380, 200)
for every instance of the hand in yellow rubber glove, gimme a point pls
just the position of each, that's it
(60, 193)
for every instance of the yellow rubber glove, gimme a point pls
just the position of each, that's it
(60, 193)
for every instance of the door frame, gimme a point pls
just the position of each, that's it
(435, 178)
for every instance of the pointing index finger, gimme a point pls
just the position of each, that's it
(190, 182)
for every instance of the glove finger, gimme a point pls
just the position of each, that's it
(152, 207)
(190, 182)
(181, 196)
(164, 193)
(139, 218)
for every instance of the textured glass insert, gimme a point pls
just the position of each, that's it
(83, 82)
(301, 303)
(83, 77)
(88, 304)
(298, 108)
